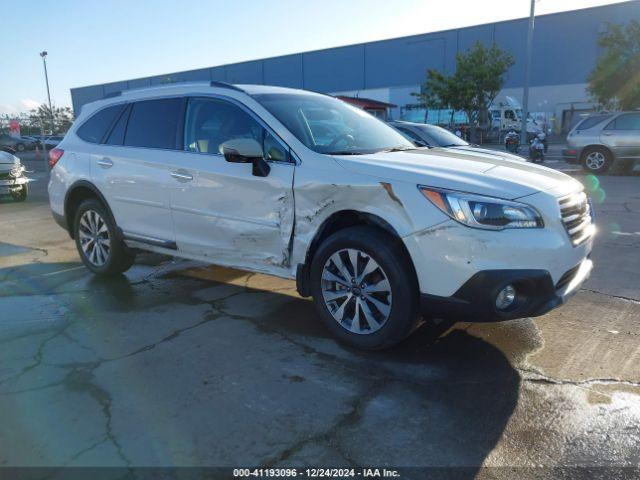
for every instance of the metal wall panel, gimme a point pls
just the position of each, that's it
(246, 72)
(284, 71)
(403, 61)
(334, 70)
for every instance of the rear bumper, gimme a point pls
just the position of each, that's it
(571, 155)
(535, 294)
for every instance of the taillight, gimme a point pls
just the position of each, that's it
(54, 155)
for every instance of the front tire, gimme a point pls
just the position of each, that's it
(364, 288)
(97, 241)
(596, 160)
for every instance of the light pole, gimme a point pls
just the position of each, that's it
(527, 73)
(46, 79)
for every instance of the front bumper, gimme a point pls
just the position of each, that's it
(536, 294)
(12, 184)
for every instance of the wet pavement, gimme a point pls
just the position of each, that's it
(180, 364)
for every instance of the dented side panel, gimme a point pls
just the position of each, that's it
(323, 187)
(227, 215)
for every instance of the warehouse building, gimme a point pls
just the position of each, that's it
(389, 71)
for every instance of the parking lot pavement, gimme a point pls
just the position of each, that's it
(179, 364)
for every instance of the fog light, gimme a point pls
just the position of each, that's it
(506, 297)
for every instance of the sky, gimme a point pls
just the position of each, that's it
(91, 41)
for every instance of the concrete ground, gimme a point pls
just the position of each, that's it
(180, 364)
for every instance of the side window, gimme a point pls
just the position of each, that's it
(630, 121)
(273, 150)
(116, 137)
(94, 129)
(210, 123)
(153, 123)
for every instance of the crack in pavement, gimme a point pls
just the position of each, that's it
(620, 297)
(327, 437)
(535, 376)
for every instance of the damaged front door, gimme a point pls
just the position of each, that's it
(220, 209)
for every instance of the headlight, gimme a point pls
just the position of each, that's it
(16, 171)
(483, 212)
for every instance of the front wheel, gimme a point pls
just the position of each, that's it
(364, 288)
(98, 244)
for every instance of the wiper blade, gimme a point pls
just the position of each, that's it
(397, 149)
(346, 152)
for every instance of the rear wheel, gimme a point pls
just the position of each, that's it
(364, 288)
(20, 147)
(97, 241)
(596, 160)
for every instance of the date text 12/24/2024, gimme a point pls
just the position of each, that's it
(316, 472)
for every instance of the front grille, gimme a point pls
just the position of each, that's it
(575, 212)
(567, 277)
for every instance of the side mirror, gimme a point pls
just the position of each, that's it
(246, 150)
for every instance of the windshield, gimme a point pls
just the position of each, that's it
(331, 126)
(442, 137)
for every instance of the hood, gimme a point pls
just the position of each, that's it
(7, 159)
(462, 170)
(491, 153)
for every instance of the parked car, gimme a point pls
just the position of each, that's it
(600, 141)
(12, 178)
(52, 141)
(375, 229)
(433, 136)
(19, 144)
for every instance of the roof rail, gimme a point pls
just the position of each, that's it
(113, 94)
(215, 83)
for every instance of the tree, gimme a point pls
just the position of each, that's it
(478, 79)
(616, 77)
(62, 118)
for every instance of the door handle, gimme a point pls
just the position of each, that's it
(607, 134)
(182, 176)
(105, 162)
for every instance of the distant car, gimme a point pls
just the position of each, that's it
(19, 144)
(52, 141)
(12, 178)
(424, 135)
(599, 141)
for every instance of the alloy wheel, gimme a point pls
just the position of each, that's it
(356, 291)
(595, 160)
(94, 238)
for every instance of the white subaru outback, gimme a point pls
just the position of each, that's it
(304, 186)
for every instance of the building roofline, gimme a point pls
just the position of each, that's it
(372, 42)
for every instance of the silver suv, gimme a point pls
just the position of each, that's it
(599, 141)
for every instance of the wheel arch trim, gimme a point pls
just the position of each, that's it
(82, 184)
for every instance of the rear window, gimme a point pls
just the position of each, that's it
(591, 121)
(153, 123)
(94, 129)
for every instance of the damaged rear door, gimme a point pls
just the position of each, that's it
(220, 209)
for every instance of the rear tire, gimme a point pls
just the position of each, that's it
(381, 307)
(596, 160)
(100, 248)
